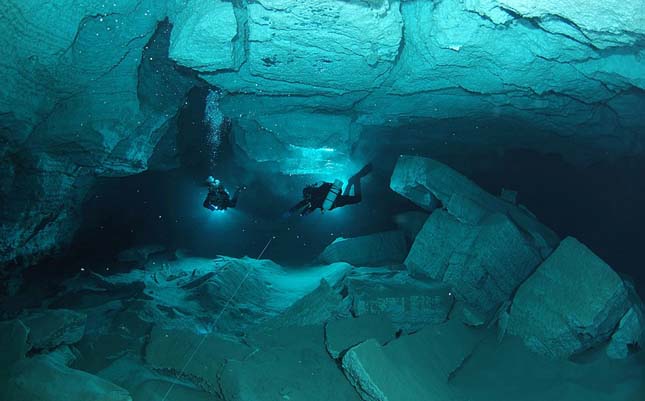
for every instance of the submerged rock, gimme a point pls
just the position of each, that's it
(422, 179)
(200, 357)
(483, 264)
(47, 378)
(629, 334)
(13, 343)
(572, 302)
(414, 367)
(314, 308)
(410, 303)
(287, 364)
(343, 334)
(380, 249)
(51, 328)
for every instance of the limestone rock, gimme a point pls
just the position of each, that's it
(573, 301)
(628, 334)
(482, 264)
(343, 334)
(45, 377)
(13, 343)
(288, 364)
(205, 36)
(51, 328)
(386, 248)
(172, 350)
(314, 308)
(408, 302)
(414, 367)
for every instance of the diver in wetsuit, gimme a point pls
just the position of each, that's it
(218, 197)
(327, 196)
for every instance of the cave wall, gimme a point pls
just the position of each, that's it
(92, 88)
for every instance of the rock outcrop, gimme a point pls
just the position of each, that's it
(414, 367)
(379, 249)
(94, 94)
(410, 303)
(51, 328)
(482, 247)
(572, 302)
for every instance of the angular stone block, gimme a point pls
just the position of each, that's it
(482, 264)
(380, 249)
(340, 335)
(51, 328)
(572, 302)
(408, 302)
(413, 367)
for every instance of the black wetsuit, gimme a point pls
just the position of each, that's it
(219, 199)
(314, 196)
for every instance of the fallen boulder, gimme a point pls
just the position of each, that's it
(422, 180)
(198, 357)
(628, 335)
(414, 367)
(342, 334)
(380, 249)
(572, 302)
(47, 378)
(13, 343)
(482, 264)
(314, 308)
(287, 364)
(410, 303)
(51, 328)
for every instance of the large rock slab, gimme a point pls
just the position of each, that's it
(572, 302)
(200, 357)
(422, 180)
(51, 328)
(47, 378)
(414, 367)
(410, 303)
(380, 249)
(288, 364)
(483, 264)
(314, 308)
(13, 343)
(205, 36)
(628, 335)
(343, 334)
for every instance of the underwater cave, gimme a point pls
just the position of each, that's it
(260, 200)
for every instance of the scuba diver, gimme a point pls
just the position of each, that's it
(327, 195)
(218, 197)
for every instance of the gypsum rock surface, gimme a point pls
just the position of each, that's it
(414, 367)
(50, 328)
(479, 245)
(410, 303)
(85, 97)
(379, 249)
(81, 97)
(343, 334)
(628, 334)
(572, 302)
(289, 364)
(48, 378)
(483, 264)
(191, 292)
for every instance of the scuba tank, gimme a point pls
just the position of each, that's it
(333, 193)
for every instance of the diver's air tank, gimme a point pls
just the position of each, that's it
(333, 193)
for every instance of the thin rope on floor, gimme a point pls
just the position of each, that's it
(201, 342)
